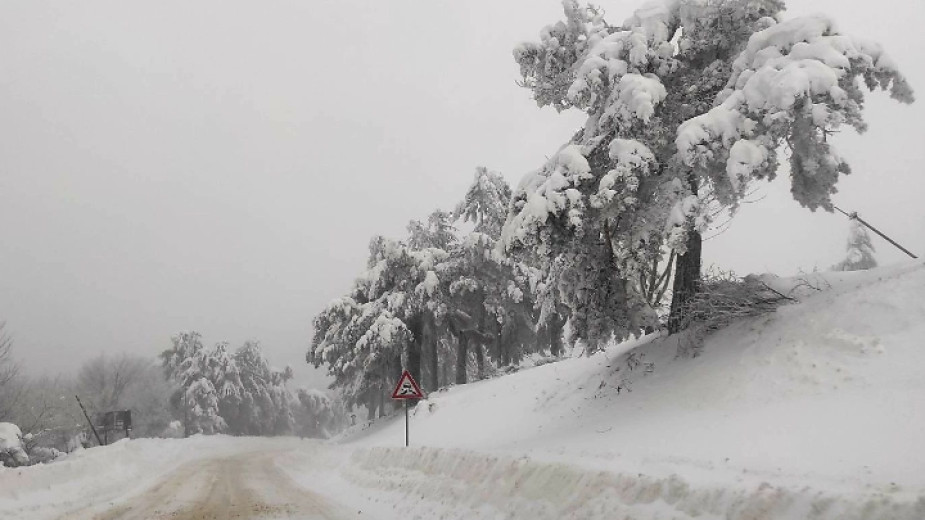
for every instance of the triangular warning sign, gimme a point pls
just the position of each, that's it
(407, 388)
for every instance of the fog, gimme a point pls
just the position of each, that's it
(221, 166)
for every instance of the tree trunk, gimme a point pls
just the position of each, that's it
(415, 347)
(554, 327)
(462, 355)
(396, 369)
(480, 360)
(381, 393)
(370, 406)
(431, 383)
(686, 280)
(504, 346)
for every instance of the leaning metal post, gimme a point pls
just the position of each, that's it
(97, 435)
(854, 216)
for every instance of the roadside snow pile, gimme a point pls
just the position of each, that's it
(11, 450)
(461, 485)
(813, 411)
(101, 476)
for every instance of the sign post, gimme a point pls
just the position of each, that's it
(407, 388)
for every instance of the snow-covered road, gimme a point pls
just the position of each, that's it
(247, 485)
(201, 478)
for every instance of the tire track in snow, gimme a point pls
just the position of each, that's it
(243, 486)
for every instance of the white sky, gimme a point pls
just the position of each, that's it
(221, 165)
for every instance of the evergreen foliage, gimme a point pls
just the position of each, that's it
(860, 250)
(687, 102)
(431, 303)
(220, 391)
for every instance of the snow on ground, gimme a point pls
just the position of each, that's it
(815, 411)
(102, 476)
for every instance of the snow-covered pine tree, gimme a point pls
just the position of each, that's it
(489, 293)
(337, 329)
(551, 311)
(427, 322)
(202, 400)
(366, 337)
(191, 366)
(264, 403)
(316, 417)
(485, 203)
(226, 378)
(437, 233)
(686, 100)
(860, 250)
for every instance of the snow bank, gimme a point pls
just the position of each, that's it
(816, 406)
(99, 477)
(452, 484)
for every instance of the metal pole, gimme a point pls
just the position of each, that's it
(100, 442)
(854, 215)
(406, 422)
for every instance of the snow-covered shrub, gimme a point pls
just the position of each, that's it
(174, 430)
(12, 453)
(42, 455)
(722, 299)
(77, 441)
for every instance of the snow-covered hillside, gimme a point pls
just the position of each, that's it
(815, 411)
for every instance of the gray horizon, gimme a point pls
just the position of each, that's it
(221, 166)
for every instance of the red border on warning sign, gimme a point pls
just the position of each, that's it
(406, 376)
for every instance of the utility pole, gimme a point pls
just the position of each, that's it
(854, 216)
(95, 434)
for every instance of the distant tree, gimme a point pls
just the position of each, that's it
(127, 382)
(316, 414)
(237, 393)
(860, 250)
(265, 406)
(48, 413)
(485, 203)
(437, 233)
(103, 381)
(188, 363)
(9, 392)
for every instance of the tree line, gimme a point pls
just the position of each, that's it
(688, 105)
(436, 302)
(189, 389)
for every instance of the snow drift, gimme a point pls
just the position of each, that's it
(814, 411)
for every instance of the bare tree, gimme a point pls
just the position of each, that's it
(104, 380)
(9, 370)
(127, 382)
(47, 410)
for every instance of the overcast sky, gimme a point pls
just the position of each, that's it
(221, 165)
